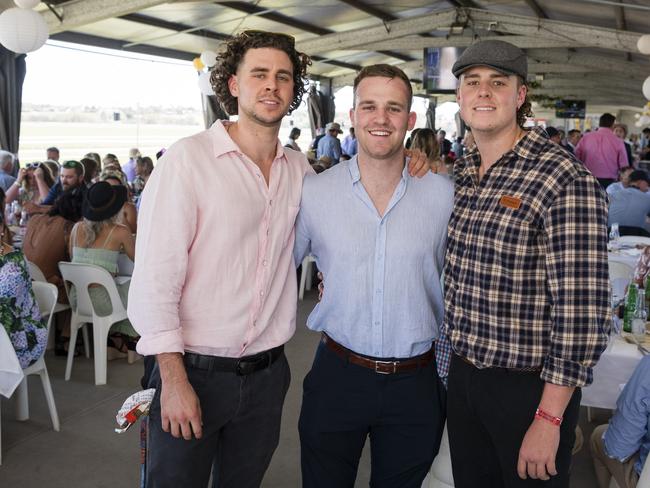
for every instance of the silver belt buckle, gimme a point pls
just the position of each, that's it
(386, 363)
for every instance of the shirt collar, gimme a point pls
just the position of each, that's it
(222, 143)
(355, 174)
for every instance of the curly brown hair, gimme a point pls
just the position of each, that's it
(526, 109)
(229, 59)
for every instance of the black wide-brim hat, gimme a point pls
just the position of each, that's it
(103, 200)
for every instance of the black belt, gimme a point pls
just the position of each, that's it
(240, 366)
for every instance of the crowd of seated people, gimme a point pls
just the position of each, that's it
(53, 196)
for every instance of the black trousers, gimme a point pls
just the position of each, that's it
(489, 412)
(241, 429)
(343, 404)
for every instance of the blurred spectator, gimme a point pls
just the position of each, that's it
(129, 166)
(53, 167)
(554, 135)
(94, 156)
(110, 160)
(572, 140)
(623, 180)
(90, 170)
(445, 144)
(330, 145)
(52, 153)
(48, 235)
(291, 141)
(620, 449)
(21, 317)
(32, 185)
(630, 206)
(620, 131)
(6, 170)
(143, 169)
(129, 213)
(457, 148)
(349, 144)
(98, 239)
(72, 176)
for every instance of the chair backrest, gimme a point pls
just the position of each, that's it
(84, 275)
(46, 295)
(35, 272)
(644, 479)
(635, 240)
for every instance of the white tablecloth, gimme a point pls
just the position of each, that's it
(625, 256)
(614, 369)
(11, 374)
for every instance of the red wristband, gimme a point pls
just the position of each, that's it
(541, 414)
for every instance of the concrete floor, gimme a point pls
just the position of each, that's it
(87, 453)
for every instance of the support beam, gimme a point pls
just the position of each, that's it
(78, 14)
(580, 34)
(534, 6)
(621, 24)
(388, 30)
(619, 86)
(89, 40)
(413, 43)
(296, 23)
(173, 26)
(604, 63)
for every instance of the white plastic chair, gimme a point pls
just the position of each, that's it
(305, 276)
(635, 240)
(37, 275)
(441, 475)
(82, 276)
(46, 295)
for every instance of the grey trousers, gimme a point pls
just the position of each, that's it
(241, 430)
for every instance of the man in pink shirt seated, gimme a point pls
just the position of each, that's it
(213, 293)
(602, 152)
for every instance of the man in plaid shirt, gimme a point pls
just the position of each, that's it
(526, 284)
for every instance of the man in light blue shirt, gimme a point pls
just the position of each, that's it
(621, 448)
(329, 145)
(378, 237)
(349, 144)
(629, 207)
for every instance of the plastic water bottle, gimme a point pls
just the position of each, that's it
(23, 218)
(640, 317)
(614, 237)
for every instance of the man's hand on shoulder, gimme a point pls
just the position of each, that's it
(180, 409)
(419, 164)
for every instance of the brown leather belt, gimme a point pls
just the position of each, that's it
(378, 366)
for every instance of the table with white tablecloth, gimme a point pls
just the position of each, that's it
(628, 256)
(11, 374)
(614, 369)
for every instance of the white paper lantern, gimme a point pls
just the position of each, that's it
(27, 3)
(22, 30)
(646, 88)
(209, 58)
(643, 44)
(204, 84)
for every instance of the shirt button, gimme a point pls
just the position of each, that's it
(261, 293)
(264, 263)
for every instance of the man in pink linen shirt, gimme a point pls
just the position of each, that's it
(213, 293)
(602, 152)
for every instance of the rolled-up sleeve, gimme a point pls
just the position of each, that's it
(577, 272)
(166, 227)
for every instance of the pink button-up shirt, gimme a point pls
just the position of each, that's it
(214, 272)
(602, 153)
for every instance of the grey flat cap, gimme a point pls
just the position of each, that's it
(500, 55)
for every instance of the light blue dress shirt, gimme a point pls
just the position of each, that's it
(629, 206)
(383, 296)
(629, 429)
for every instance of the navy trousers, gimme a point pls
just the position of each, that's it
(343, 404)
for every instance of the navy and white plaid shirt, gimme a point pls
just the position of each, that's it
(526, 277)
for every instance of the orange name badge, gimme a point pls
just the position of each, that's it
(510, 202)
